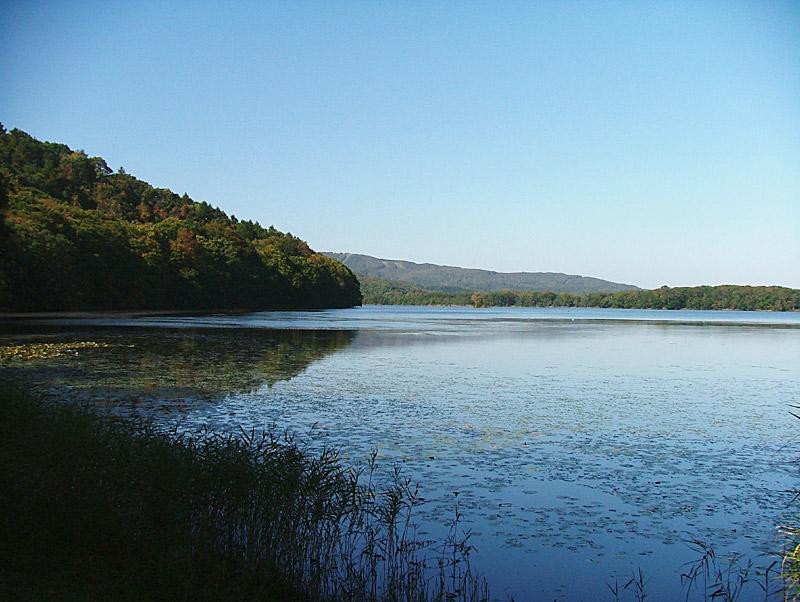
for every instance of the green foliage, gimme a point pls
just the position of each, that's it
(378, 291)
(4, 187)
(79, 237)
(764, 298)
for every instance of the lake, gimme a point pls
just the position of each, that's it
(580, 444)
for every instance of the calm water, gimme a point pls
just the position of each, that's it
(580, 444)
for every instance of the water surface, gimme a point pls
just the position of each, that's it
(580, 444)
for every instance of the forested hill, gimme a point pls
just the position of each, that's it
(455, 280)
(76, 236)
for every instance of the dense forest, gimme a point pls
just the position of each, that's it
(772, 298)
(78, 236)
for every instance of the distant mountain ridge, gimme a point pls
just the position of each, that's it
(454, 279)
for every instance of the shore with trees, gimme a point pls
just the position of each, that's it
(725, 297)
(76, 236)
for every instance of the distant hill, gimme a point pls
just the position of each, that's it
(455, 280)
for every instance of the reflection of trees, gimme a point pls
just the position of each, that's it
(186, 363)
(238, 361)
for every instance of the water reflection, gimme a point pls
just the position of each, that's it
(164, 365)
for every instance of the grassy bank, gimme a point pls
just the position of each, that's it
(95, 508)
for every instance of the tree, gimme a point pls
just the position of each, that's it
(477, 299)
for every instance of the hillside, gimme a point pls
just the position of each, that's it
(455, 280)
(76, 236)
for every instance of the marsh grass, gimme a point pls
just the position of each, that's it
(731, 578)
(790, 566)
(98, 508)
(712, 578)
(791, 558)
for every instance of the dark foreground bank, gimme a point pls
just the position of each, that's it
(96, 508)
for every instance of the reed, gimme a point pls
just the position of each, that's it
(791, 558)
(99, 508)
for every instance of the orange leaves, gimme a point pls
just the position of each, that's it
(185, 242)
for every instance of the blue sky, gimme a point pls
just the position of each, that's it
(652, 143)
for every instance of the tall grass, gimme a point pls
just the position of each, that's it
(791, 565)
(97, 508)
(791, 559)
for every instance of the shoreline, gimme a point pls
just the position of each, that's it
(114, 313)
(106, 314)
(540, 314)
(151, 313)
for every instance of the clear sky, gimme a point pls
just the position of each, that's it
(651, 143)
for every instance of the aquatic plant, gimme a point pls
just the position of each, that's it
(636, 585)
(34, 351)
(96, 507)
(727, 579)
(711, 578)
(791, 566)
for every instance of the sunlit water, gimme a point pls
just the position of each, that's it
(579, 444)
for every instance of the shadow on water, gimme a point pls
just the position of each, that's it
(140, 365)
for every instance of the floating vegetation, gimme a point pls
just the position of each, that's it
(45, 351)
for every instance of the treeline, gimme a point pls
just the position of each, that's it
(732, 297)
(378, 291)
(77, 236)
